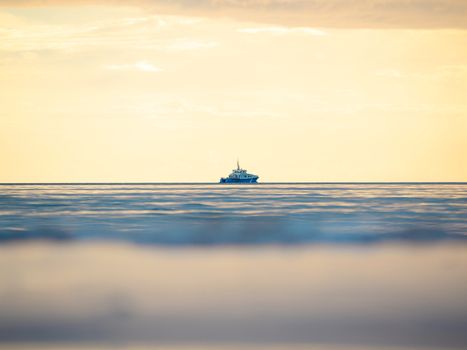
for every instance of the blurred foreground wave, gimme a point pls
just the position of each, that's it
(213, 214)
(114, 295)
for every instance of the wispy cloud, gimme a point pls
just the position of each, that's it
(142, 66)
(437, 73)
(389, 73)
(161, 33)
(189, 44)
(283, 30)
(322, 13)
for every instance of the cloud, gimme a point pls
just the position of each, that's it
(138, 66)
(283, 31)
(188, 44)
(159, 33)
(315, 13)
(438, 73)
(389, 73)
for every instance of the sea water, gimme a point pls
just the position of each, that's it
(213, 214)
(209, 266)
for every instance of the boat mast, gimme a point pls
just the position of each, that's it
(238, 165)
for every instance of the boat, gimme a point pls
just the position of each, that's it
(239, 175)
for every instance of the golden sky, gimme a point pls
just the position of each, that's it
(94, 91)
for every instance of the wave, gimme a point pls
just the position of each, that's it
(206, 214)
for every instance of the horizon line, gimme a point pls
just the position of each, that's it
(214, 183)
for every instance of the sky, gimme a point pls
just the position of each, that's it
(168, 91)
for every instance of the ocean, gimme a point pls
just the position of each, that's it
(219, 214)
(339, 266)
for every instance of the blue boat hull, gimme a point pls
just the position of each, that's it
(226, 180)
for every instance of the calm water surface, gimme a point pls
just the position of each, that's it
(205, 214)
